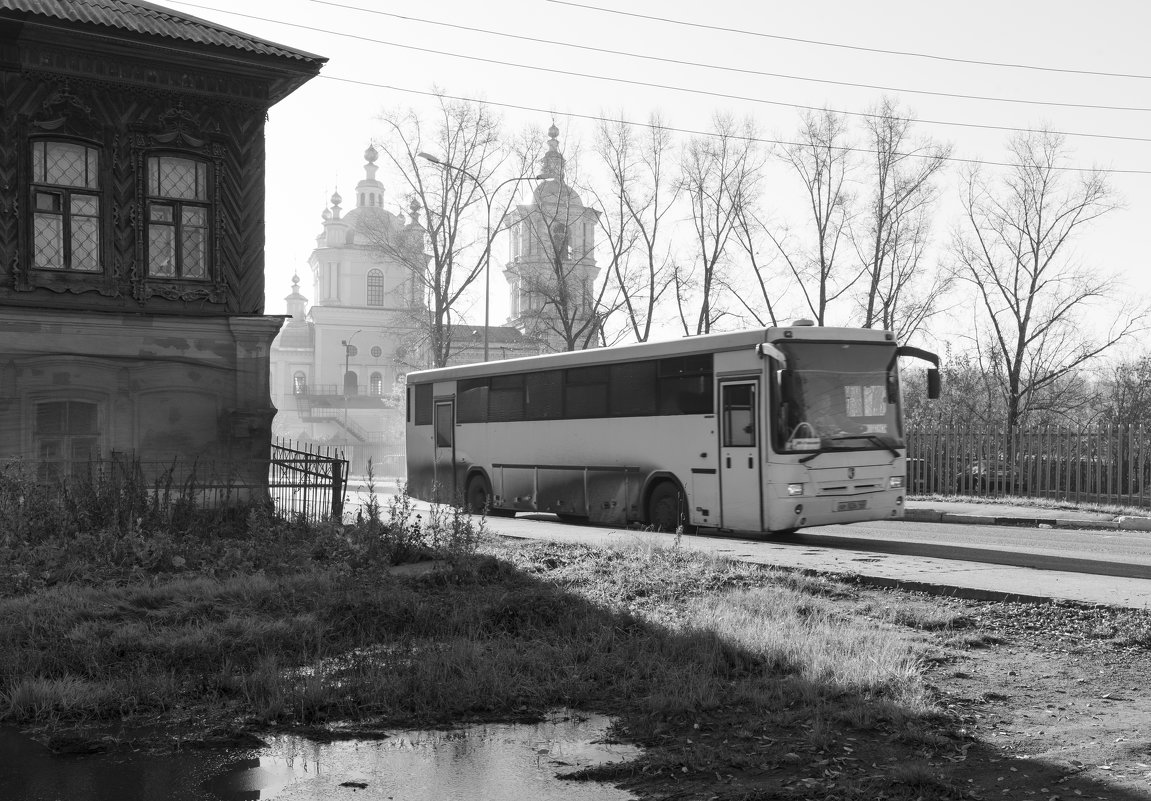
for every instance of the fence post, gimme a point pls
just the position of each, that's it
(339, 482)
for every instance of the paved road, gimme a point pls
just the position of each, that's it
(1111, 567)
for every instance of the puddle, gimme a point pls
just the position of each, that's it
(512, 762)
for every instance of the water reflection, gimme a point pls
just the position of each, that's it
(512, 762)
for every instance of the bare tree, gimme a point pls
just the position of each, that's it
(1126, 393)
(821, 157)
(1014, 248)
(893, 232)
(556, 295)
(455, 207)
(639, 196)
(771, 284)
(719, 174)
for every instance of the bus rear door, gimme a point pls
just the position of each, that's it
(444, 424)
(741, 502)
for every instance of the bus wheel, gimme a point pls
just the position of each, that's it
(663, 506)
(478, 495)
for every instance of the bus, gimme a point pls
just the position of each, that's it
(760, 431)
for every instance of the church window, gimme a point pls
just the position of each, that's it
(377, 384)
(178, 217)
(299, 384)
(65, 206)
(377, 351)
(375, 288)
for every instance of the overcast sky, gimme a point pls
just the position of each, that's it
(385, 54)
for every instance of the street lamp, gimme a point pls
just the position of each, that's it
(347, 343)
(487, 229)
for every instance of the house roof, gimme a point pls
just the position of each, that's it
(137, 16)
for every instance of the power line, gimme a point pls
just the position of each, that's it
(632, 82)
(860, 48)
(738, 70)
(691, 132)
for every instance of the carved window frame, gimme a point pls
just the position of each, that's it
(212, 287)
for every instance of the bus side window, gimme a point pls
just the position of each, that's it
(422, 413)
(633, 389)
(506, 398)
(445, 428)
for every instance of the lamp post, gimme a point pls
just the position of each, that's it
(487, 227)
(347, 343)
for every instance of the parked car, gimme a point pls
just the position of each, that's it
(994, 476)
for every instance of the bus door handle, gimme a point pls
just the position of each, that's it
(750, 462)
(729, 461)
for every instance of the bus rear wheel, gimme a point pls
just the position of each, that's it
(478, 495)
(663, 506)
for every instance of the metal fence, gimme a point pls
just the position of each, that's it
(309, 480)
(1096, 464)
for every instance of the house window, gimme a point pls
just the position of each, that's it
(377, 384)
(178, 215)
(299, 384)
(377, 351)
(375, 288)
(65, 207)
(66, 436)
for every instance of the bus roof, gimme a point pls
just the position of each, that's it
(707, 343)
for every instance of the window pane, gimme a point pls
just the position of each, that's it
(81, 418)
(195, 253)
(85, 244)
(506, 399)
(585, 401)
(633, 389)
(183, 179)
(472, 400)
(161, 250)
(444, 425)
(49, 201)
(48, 241)
(544, 393)
(194, 216)
(161, 212)
(687, 395)
(739, 416)
(67, 164)
(51, 418)
(423, 401)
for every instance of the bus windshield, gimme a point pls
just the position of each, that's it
(837, 396)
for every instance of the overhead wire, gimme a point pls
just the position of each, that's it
(709, 93)
(861, 48)
(710, 134)
(737, 70)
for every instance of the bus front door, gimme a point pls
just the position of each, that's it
(445, 459)
(741, 502)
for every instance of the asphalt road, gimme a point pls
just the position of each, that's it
(1111, 567)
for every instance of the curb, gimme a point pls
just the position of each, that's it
(1129, 523)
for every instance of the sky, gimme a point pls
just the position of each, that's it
(972, 75)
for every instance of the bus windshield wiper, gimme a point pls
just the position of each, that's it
(871, 438)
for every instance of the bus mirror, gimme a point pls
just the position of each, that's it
(767, 349)
(932, 382)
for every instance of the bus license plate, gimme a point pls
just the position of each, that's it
(850, 506)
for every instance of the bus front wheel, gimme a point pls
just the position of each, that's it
(663, 507)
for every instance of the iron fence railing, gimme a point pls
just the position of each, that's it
(1095, 464)
(307, 479)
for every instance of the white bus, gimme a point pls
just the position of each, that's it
(756, 431)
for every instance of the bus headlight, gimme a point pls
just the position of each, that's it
(794, 489)
(896, 482)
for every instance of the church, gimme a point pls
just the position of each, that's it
(339, 363)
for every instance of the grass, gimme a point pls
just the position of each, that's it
(656, 634)
(1037, 503)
